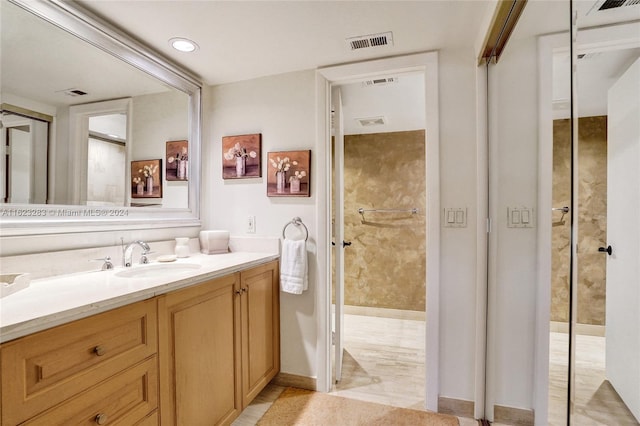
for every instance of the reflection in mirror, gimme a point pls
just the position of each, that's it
(23, 167)
(594, 360)
(574, 381)
(106, 158)
(606, 329)
(53, 72)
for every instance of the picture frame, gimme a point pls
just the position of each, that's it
(241, 156)
(146, 178)
(289, 173)
(177, 161)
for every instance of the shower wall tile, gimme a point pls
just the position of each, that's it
(385, 267)
(592, 220)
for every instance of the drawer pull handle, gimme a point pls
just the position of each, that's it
(101, 419)
(99, 351)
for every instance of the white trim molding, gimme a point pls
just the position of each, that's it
(428, 64)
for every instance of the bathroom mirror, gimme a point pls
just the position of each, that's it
(64, 68)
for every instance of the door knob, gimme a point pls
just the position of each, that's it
(608, 250)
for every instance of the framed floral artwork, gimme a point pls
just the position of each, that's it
(241, 156)
(146, 179)
(289, 174)
(177, 161)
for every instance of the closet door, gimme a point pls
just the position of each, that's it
(622, 367)
(605, 329)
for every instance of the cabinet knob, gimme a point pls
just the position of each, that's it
(238, 292)
(101, 419)
(99, 351)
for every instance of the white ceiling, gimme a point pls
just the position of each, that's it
(400, 104)
(242, 40)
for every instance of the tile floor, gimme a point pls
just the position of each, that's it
(384, 363)
(596, 401)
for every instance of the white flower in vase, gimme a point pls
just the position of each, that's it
(298, 175)
(238, 151)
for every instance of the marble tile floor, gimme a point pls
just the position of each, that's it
(259, 406)
(384, 363)
(596, 401)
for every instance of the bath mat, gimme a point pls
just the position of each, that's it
(307, 408)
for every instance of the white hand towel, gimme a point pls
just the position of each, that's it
(293, 267)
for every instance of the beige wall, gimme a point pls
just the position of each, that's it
(592, 223)
(385, 265)
(286, 110)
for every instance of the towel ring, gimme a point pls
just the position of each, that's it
(296, 221)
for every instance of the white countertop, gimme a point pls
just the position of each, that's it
(49, 302)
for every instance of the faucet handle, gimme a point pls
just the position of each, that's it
(107, 262)
(143, 258)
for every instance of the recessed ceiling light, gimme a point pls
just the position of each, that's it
(183, 44)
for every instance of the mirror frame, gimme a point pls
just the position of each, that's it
(32, 219)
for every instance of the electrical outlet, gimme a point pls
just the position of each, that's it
(251, 224)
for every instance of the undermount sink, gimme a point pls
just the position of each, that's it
(12, 283)
(157, 270)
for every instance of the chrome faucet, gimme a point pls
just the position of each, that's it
(127, 252)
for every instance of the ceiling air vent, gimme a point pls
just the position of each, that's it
(587, 56)
(72, 92)
(612, 4)
(371, 40)
(371, 121)
(379, 81)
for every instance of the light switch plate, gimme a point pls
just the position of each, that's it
(455, 217)
(520, 217)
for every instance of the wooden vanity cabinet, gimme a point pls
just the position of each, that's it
(199, 348)
(201, 353)
(260, 308)
(219, 346)
(101, 365)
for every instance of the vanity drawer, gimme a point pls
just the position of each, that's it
(125, 399)
(47, 368)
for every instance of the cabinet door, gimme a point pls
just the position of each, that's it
(260, 307)
(199, 354)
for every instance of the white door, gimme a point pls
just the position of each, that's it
(19, 168)
(338, 211)
(623, 235)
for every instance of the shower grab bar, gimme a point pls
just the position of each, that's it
(564, 211)
(412, 211)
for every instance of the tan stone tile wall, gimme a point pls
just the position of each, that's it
(385, 267)
(592, 220)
